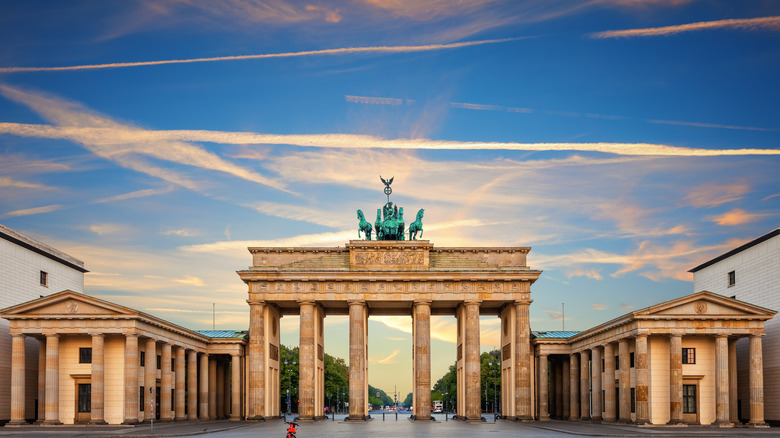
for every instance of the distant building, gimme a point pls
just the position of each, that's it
(28, 270)
(751, 273)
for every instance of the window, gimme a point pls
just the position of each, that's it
(617, 362)
(159, 362)
(689, 399)
(141, 399)
(732, 278)
(631, 361)
(44, 278)
(85, 397)
(689, 355)
(85, 356)
(633, 399)
(143, 359)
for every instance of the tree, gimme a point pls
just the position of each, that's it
(289, 377)
(408, 400)
(491, 380)
(445, 388)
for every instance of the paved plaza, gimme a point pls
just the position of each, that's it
(389, 428)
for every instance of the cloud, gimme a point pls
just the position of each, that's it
(624, 307)
(324, 52)
(182, 232)
(6, 181)
(378, 100)
(388, 359)
(301, 213)
(99, 138)
(588, 273)
(769, 23)
(709, 125)
(190, 280)
(239, 247)
(32, 211)
(770, 197)
(135, 194)
(479, 107)
(555, 315)
(713, 195)
(597, 306)
(736, 216)
(109, 229)
(123, 144)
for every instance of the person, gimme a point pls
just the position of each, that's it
(291, 430)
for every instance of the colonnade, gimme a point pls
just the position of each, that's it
(572, 386)
(212, 387)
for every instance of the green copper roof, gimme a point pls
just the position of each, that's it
(223, 333)
(558, 334)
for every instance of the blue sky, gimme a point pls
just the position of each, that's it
(626, 141)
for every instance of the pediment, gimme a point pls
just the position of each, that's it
(706, 304)
(67, 303)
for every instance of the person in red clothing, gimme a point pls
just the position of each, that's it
(291, 430)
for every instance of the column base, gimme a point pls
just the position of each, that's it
(51, 423)
(524, 418)
(760, 425)
(256, 418)
(165, 420)
(15, 423)
(584, 418)
(180, 419)
(544, 418)
(357, 418)
(642, 422)
(130, 421)
(624, 421)
(723, 424)
(474, 419)
(596, 419)
(609, 420)
(676, 422)
(235, 418)
(101, 421)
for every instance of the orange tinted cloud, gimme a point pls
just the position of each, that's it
(712, 195)
(736, 217)
(771, 23)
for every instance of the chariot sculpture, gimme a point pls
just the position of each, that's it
(389, 224)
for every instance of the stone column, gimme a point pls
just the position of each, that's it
(722, 381)
(559, 396)
(756, 382)
(357, 361)
(192, 385)
(212, 388)
(150, 377)
(624, 383)
(98, 379)
(522, 365)
(544, 385)
(306, 362)
(17, 380)
(41, 379)
(610, 416)
(179, 390)
(220, 391)
(596, 378)
(256, 361)
(203, 412)
(733, 395)
(166, 382)
(422, 359)
(472, 362)
(235, 373)
(131, 379)
(675, 379)
(226, 393)
(642, 379)
(584, 385)
(52, 380)
(566, 386)
(574, 387)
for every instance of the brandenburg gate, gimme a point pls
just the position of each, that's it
(389, 276)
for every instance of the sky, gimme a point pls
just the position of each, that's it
(625, 141)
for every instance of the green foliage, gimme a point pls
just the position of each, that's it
(382, 400)
(445, 388)
(491, 380)
(289, 376)
(408, 400)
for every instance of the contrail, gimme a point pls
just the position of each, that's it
(119, 136)
(737, 23)
(341, 51)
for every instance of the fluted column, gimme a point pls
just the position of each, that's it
(596, 378)
(544, 385)
(203, 412)
(357, 360)
(574, 387)
(212, 388)
(179, 391)
(131, 378)
(733, 395)
(675, 379)
(41, 379)
(722, 381)
(584, 385)
(235, 373)
(472, 362)
(610, 416)
(624, 383)
(98, 380)
(17, 380)
(642, 379)
(166, 382)
(756, 382)
(150, 378)
(192, 385)
(52, 379)
(522, 365)
(256, 361)
(422, 359)
(306, 362)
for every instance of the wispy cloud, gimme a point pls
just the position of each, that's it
(109, 229)
(324, 52)
(770, 197)
(6, 181)
(712, 195)
(597, 306)
(125, 135)
(32, 211)
(709, 125)
(479, 107)
(135, 194)
(190, 280)
(379, 100)
(770, 23)
(736, 216)
(300, 213)
(181, 232)
(581, 272)
(387, 359)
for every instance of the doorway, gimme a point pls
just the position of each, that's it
(83, 403)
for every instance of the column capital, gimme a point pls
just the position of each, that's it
(523, 302)
(472, 302)
(252, 302)
(422, 302)
(97, 334)
(722, 335)
(18, 335)
(676, 333)
(302, 302)
(356, 302)
(51, 335)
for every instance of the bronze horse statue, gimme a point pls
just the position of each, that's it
(364, 226)
(416, 226)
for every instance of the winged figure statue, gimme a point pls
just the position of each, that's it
(387, 183)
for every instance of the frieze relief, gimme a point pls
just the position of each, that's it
(449, 287)
(388, 258)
